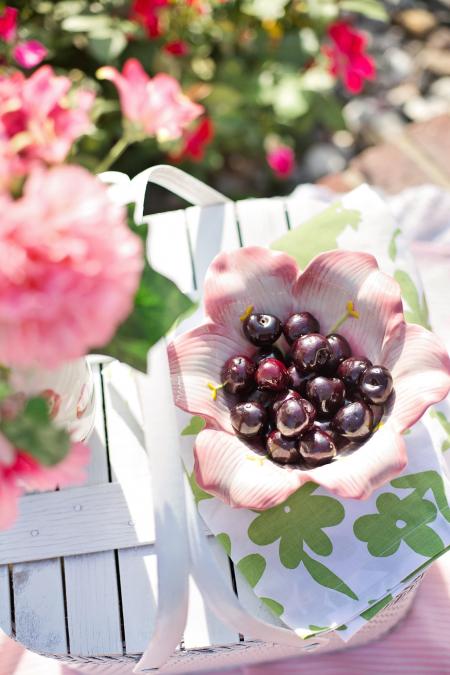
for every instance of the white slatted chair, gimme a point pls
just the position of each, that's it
(78, 572)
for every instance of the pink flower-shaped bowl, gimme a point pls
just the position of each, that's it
(271, 282)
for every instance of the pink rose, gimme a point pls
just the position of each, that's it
(281, 160)
(69, 268)
(156, 106)
(348, 58)
(272, 283)
(8, 24)
(29, 54)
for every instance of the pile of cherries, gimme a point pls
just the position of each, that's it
(310, 404)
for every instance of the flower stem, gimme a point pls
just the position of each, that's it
(115, 152)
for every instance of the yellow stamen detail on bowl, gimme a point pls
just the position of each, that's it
(379, 425)
(214, 389)
(247, 313)
(256, 458)
(351, 311)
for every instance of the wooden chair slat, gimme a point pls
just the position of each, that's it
(5, 601)
(92, 598)
(168, 247)
(261, 221)
(39, 606)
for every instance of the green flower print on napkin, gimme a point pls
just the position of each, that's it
(298, 521)
(418, 308)
(445, 424)
(405, 519)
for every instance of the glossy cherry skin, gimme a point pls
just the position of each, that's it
(248, 419)
(262, 329)
(281, 449)
(340, 350)
(264, 398)
(237, 374)
(327, 394)
(376, 384)
(281, 398)
(298, 380)
(310, 352)
(291, 418)
(268, 353)
(351, 370)
(377, 410)
(317, 447)
(300, 324)
(353, 421)
(310, 411)
(271, 375)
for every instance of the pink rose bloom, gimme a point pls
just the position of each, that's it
(36, 122)
(24, 473)
(29, 54)
(177, 48)
(272, 283)
(348, 58)
(146, 12)
(156, 106)
(69, 268)
(8, 24)
(281, 160)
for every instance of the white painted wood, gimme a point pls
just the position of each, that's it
(5, 602)
(93, 614)
(211, 229)
(80, 520)
(261, 221)
(129, 466)
(297, 213)
(39, 606)
(168, 247)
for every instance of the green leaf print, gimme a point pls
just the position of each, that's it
(195, 426)
(252, 567)
(445, 424)
(300, 521)
(225, 541)
(274, 606)
(318, 234)
(393, 244)
(377, 607)
(418, 308)
(197, 491)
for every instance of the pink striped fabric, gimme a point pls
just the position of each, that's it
(419, 646)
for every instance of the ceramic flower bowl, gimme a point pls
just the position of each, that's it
(271, 282)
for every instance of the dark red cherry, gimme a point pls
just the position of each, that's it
(376, 384)
(298, 380)
(310, 352)
(317, 447)
(292, 418)
(264, 398)
(327, 394)
(271, 375)
(353, 421)
(237, 374)
(268, 353)
(248, 419)
(351, 370)
(340, 350)
(377, 410)
(300, 324)
(281, 398)
(310, 411)
(262, 329)
(281, 449)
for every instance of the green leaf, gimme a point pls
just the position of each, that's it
(318, 234)
(370, 8)
(105, 46)
(225, 541)
(393, 244)
(34, 432)
(5, 389)
(377, 607)
(86, 23)
(273, 605)
(418, 308)
(325, 577)
(252, 568)
(197, 491)
(195, 426)
(158, 304)
(265, 10)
